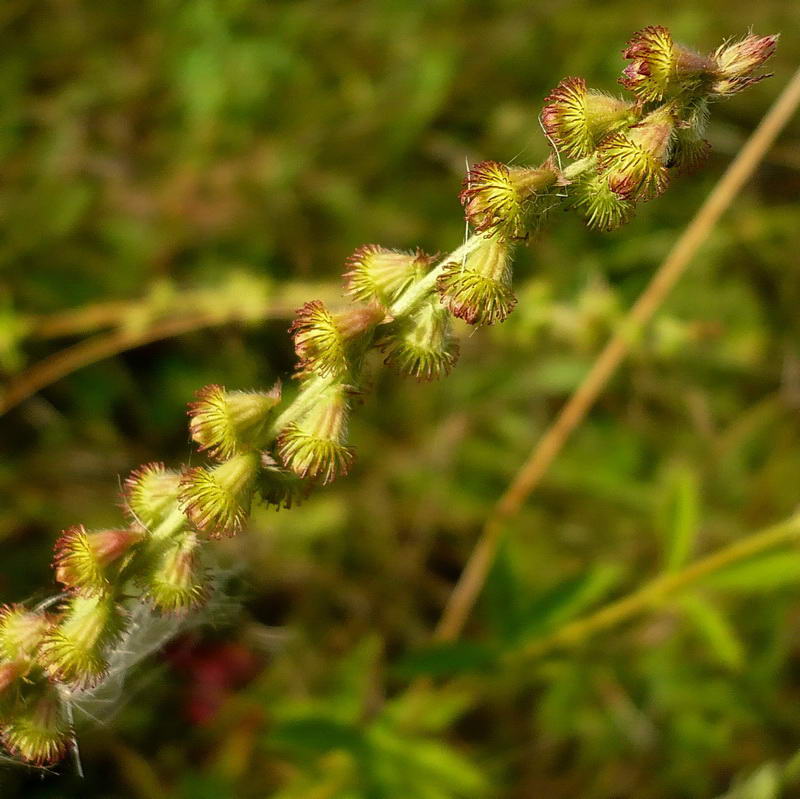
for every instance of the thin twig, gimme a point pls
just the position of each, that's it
(104, 345)
(471, 582)
(661, 587)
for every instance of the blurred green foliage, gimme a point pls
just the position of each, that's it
(178, 144)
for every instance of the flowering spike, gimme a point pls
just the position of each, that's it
(376, 274)
(21, 632)
(279, 487)
(228, 422)
(176, 582)
(314, 446)
(75, 651)
(576, 119)
(422, 346)
(479, 289)
(324, 341)
(38, 729)
(217, 500)
(602, 207)
(499, 200)
(82, 559)
(652, 54)
(734, 63)
(149, 494)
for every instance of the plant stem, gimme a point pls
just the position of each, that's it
(529, 475)
(662, 587)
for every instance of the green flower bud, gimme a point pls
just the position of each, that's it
(37, 728)
(735, 62)
(82, 559)
(478, 290)
(326, 343)
(229, 422)
(21, 632)
(601, 206)
(422, 346)
(314, 446)
(216, 500)
(576, 119)
(150, 493)
(376, 274)
(499, 200)
(176, 581)
(75, 651)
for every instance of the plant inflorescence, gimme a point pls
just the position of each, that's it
(609, 154)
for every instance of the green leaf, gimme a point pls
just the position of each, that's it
(569, 598)
(715, 630)
(443, 659)
(759, 575)
(764, 783)
(316, 733)
(678, 516)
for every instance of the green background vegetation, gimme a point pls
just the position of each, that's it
(151, 148)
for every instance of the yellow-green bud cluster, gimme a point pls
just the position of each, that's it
(227, 423)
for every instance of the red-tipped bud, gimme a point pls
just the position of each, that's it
(217, 500)
(38, 730)
(150, 493)
(653, 58)
(500, 200)
(176, 582)
(376, 274)
(314, 447)
(735, 62)
(82, 559)
(422, 345)
(634, 162)
(478, 290)
(576, 118)
(326, 343)
(227, 423)
(75, 651)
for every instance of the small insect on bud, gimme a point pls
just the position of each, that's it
(229, 422)
(734, 63)
(376, 274)
(150, 493)
(75, 650)
(216, 500)
(576, 118)
(634, 162)
(21, 632)
(478, 290)
(279, 487)
(652, 54)
(37, 729)
(422, 346)
(499, 200)
(602, 208)
(82, 559)
(326, 343)
(176, 582)
(314, 447)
